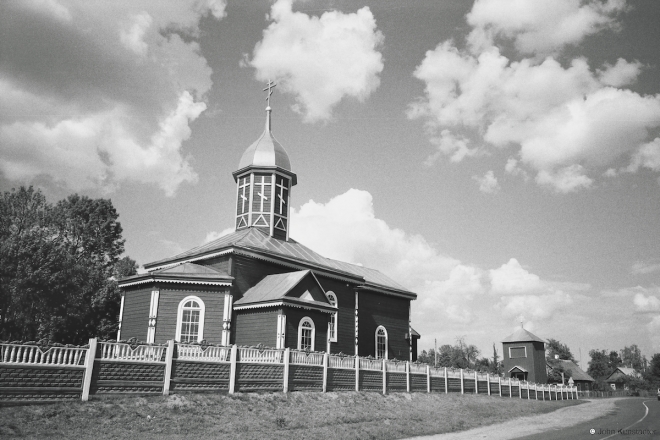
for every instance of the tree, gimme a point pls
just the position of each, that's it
(554, 347)
(599, 367)
(632, 357)
(653, 372)
(615, 361)
(495, 365)
(57, 267)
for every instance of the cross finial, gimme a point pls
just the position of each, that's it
(271, 85)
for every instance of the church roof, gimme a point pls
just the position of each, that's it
(275, 289)
(522, 335)
(259, 242)
(189, 273)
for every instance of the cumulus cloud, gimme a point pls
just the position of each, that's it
(642, 267)
(322, 59)
(89, 110)
(539, 26)
(565, 122)
(645, 303)
(487, 183)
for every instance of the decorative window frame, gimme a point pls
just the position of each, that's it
(380, 327)
(518, 357)
(309, 320)
(179, 317)
(334, 318)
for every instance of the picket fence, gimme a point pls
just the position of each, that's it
(46, 373)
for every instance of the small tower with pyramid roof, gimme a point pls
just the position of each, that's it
(263, 183)
(524, 356)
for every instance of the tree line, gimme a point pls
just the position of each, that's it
(58, 267)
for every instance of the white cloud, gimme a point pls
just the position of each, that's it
(642, 267)
(214, 235)
(322, 59)
(487, 183)
(535, 307)
(512, 279)
(645, 303)
(450, 145)
(566, 122)
(106, 106)
(540, 26)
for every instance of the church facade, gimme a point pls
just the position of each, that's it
(259, 286)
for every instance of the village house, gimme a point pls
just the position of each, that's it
(616, 380)
(257, 285)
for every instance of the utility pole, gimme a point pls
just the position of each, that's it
(435, 352)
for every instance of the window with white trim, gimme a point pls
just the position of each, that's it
(381, 342)
(190, 320)
(306, 334)
(332, 328)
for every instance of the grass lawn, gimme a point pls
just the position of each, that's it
(347, 415)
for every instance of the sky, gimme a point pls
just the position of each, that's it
(499, 158)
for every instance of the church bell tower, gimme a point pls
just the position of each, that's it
(263, 183)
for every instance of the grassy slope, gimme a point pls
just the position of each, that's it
(297, 415)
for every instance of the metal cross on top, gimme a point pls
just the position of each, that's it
(270, 87)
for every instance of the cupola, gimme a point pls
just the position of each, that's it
(264, 180)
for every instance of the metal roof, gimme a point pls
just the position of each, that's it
(266, 151)
(254, 239)
(181, 273)
(576, 372)
(522, 335)
(273, 287)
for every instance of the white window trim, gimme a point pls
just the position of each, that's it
(179, 317)
(522, 346)
(376, 341)
(330, 294)
(300, 327)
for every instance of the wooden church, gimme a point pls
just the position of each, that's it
(259, 286)
(524, 356)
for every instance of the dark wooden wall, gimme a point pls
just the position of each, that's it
(345, 294)
(392, 313)
(168, 306)
(135, 319)
(534, 363)
(293, 317)
(255, 326)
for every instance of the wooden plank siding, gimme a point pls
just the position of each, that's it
(293, 317)
(221, 263)
(255, 326)
(168, 307)
(247, 272)
(392, 313)
(135, 319)
(345, 315)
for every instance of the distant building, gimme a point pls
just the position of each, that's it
(259, 286)
(616, 379)
(580, 379)
(524, 356)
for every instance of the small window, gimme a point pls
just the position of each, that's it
(332, 330)
(381, 343)
(190, 320)
(517, 352)
(306, 333)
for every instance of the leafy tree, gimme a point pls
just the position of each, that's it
(496, 364)
(652, 374)
(554, 347)
(57, 265)
(599, 365)
(615, 361)
(632, 357)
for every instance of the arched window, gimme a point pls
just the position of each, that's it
(190, 320)
(381, 342)
(332, 329)
(306, 334)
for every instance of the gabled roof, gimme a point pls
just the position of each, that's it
(521, 369)
(189, 273)
(277, 290)
(259, 242)
(576, 372)
(522, 335)
(625, 370)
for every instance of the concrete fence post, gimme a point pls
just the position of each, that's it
(285, 379)
(325, 372)
(407, 376)
(446, 382)
(89, 369)
(520, 389)
(488, 380)
(510, 389)
(499, 384)
(232, 369)
(462, 383)
(528, 396)
(169, 356)
(384, 377)
(476, 383)
(357, 373)
(428, 379)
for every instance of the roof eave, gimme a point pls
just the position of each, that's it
(291, 174)
(150, 278)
